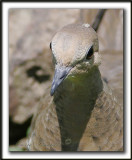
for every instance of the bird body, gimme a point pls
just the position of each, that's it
(83, 114)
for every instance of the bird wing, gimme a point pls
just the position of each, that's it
(104, 131)
(45, 132)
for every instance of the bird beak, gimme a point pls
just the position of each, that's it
(60, 74)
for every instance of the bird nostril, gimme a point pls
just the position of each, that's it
(63, 75)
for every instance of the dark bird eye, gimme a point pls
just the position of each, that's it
(90, 53)
(50, 46)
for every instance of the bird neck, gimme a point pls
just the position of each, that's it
(75, 100)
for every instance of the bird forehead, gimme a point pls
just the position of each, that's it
(65, 46)
(72, 41)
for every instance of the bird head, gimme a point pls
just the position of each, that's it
(75, 51)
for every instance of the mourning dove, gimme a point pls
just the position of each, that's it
(80, 112)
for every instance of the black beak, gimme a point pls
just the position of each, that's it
(60, 74)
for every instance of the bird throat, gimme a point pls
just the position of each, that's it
(74, 100)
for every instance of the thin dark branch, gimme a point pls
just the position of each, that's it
(98, 19)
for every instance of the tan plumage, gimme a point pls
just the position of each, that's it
(83, 114)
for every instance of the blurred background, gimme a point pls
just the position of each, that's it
(30, 60)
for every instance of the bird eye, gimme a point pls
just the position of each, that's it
(89, 53)
(50, 45)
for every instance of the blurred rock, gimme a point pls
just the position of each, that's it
(88, 15)
(20, 146)
(31, 30)
(110, 31)
(112, 69)
(30, 80)
(13, 100)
